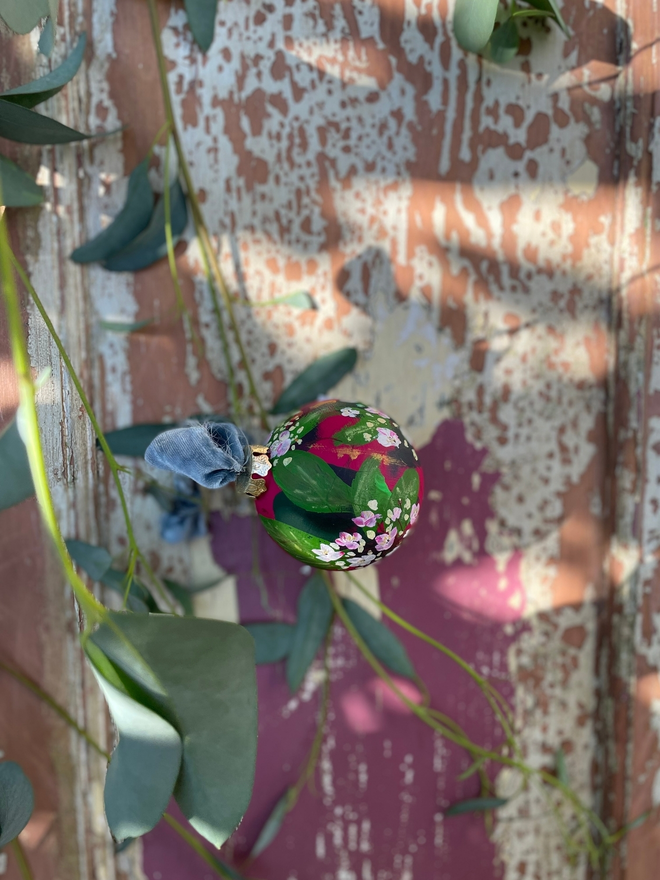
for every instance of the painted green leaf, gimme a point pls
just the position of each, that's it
(294, 541)
(205, 687)
(134, 439)
(15, 478)
(406, 489)
(474, 21)
(380, 640)
(325, 526)
(16, 801)
(47, 38)
(133, 219)
(504, 43)
(28, 127)
(314, 616)
(201, 18)
(272, 825)
(125, 326)
(23, 15)
(475, 805)
(93, 560)
(39, 90)
(17, 189)
(369, 485)
(144, 766)
(318, 378)
(310, 483)
(310, 419)
(551, 7)
(358, 433)
(272, 641)
(150, 245)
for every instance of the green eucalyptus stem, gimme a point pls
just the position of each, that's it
(182, 308)
(112, 461)
(21, 859)
(201, 850)
(92, 608)
(493, 696)
(198, 217)
(54, 705)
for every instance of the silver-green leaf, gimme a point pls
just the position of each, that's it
(314, 616)
(381, 641)
(272, 825)
(16, 801)
(39, 90)
(201, 18)
(23, 15)
(474, 21)
(272, 641)
(15, 478)
(17, 189)
(318, 378)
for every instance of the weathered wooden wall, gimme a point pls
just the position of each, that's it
(488, 238)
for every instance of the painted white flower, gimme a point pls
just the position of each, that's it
(385, 541)
(387, 437)
(325, 553)
(350, 413)
(367, 519)
(367, 559)
(282, 444)
(350, 542)
(394, 514)
(414, 513)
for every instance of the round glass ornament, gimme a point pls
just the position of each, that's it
(343, 488)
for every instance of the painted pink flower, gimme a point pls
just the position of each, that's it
(385, 541)
(367, 519)
(282, 444)
(394, 514)
(325, 553)
(351, 542)
(387, 437)
(414, 513)
(377, 412)
(367, 559)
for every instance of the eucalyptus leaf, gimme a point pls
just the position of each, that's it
(95, 561)
(318, 378)
(17, 189)
(125, 326)
(298, 299)
(272, 825)
(150, 245)
(28, 127)
(22, 16)
(314, 616)
(272, 641)
(310, 483)
(475, 805)
(199, 676)
(381, 641)
(551, 7)
(182, 596)
(16, 801)
(504, 43)
(144, 766)
(47, 38)
(201, 18)
(474, 21)
(39, 90)
(133, 219)
(134, 439)
(139, 598)
(15, 478)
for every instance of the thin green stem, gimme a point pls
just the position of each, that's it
(55, 706)
(201, 850)
(21, 859)
(112, 462)
(198, 217)
(492, 694)
(182, 308)
(30, 429)
(161, 131)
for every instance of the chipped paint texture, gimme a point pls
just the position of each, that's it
(479, 233)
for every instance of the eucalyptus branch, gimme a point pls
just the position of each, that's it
(199, 848)
(21, 859)
(198, 218)
(112, 461)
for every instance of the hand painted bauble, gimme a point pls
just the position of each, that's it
(344, 486)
